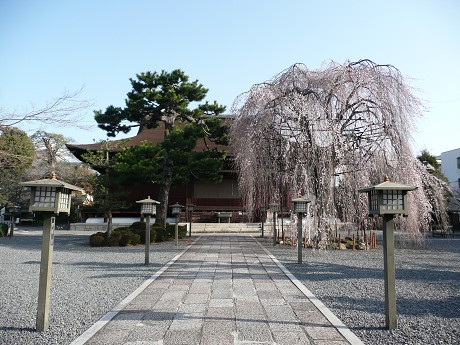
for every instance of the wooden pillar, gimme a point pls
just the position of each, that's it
(176, 229)
(389, 271)
(299, 237)
(147, 239)
(46, 263)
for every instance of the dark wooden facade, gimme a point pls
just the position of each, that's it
(209, 198)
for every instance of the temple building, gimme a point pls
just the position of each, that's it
(210, 199)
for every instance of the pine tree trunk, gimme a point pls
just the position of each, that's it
(163, 197)
(108, 233)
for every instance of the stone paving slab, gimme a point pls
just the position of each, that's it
(224, 289)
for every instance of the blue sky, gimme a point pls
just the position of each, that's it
(49, 46)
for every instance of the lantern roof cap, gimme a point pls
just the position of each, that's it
(148, 201)
(304, 198)
(387, 185)
(52, 182)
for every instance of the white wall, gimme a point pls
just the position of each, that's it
(449, 166)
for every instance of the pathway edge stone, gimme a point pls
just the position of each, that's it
(90, 332)
(334, 320)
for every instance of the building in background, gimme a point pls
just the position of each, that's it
(450, 166)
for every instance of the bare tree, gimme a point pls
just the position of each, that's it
(61, 111)
(327, 133)
(51, 152)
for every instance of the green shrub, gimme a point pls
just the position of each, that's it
(161, 232)
(138, 228)
(116, 235)
(122, 228)
(153, 234)
(120, 231)
(112, 241)
(120, 237)
(125, 240)
(349, 243)
(97, 239)
(123, 236)
(333, 245)
(182, 231)
(171, 229)
(135, 239)
(3, 230)
(129, 238)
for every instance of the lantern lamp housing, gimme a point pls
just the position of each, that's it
(148, 206)
(51, 195)
(274, 207)
(176, 208)
(191, 207)
(388, 198)
(301, 204)
(13, 208)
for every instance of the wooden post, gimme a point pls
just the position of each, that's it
(389, 271)
(46, 263)
(274, 228)
(176, 229)
(147, 239)
(354, 242)
(262, 221)
(299, 237)
(340, 241)
(365, 242)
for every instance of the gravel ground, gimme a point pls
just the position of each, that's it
(351, 285)
(86, 284)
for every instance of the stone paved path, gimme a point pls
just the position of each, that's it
(224, 289)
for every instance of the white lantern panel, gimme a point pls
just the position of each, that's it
(274, 207)
(374, 200)
(393, 200)
(64, 200)
(45, 197)
(300, 207)
(148, 208)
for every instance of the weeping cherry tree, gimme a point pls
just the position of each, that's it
(327, 133)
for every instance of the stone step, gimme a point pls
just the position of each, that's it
(196, 227)
(225, 227)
